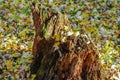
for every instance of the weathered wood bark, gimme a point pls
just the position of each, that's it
(74, 60)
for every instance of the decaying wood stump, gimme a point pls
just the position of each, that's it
(72, 59)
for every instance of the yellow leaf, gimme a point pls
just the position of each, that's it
(5, 79)
(15, 46)
(66, 28)
(9, 64)
(56, 44)
(83, 22)
(105, 24)
(57, 36)
(115, 26)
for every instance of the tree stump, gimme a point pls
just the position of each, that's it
(72, 59)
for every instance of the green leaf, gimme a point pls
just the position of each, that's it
(66, 28)
(2, 17)
(26, 11)
(27, 68)
(106, 58)
(72, 1)
(113, 59)
(118, 42)
(15, 54)
(80, 3)
(76, 29)
(7, 24)
(119, 25)
(92, 0)
(33, 76)
(73, 12)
